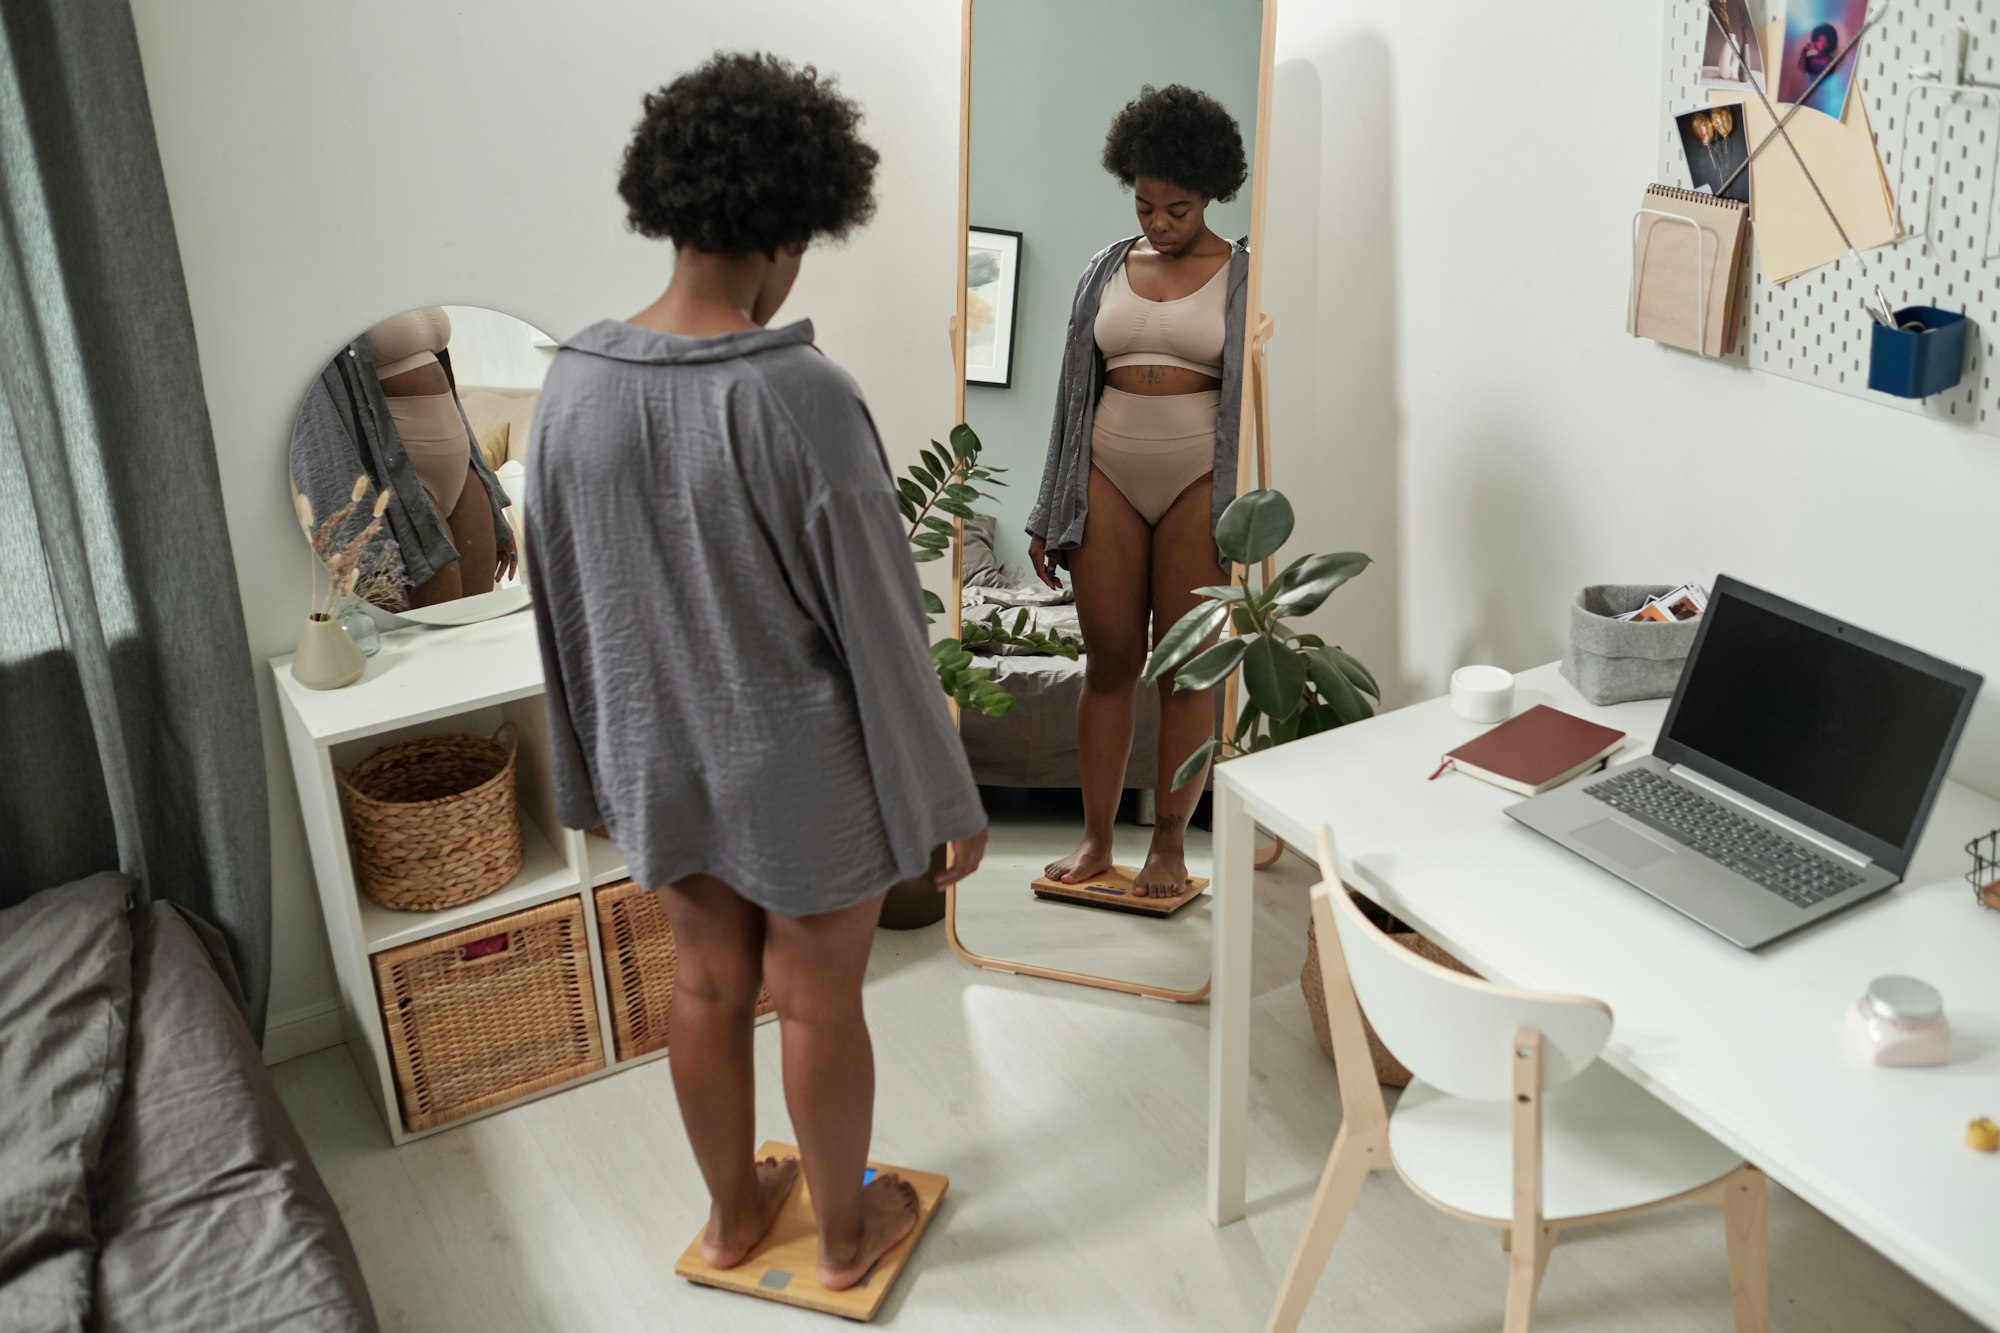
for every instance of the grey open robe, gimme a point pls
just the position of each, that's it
(1060, 509)
(730, 621)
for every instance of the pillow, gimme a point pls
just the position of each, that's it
(493, 444)
(978, 555)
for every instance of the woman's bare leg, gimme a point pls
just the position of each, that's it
(1109, 572)
(1184, 558)
(443, 586)
(815, 965)
(719, 945)
(472, 533)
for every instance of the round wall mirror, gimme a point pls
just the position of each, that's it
(408, 463)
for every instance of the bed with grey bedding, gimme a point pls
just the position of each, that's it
(149, 1178)
(1034, 744)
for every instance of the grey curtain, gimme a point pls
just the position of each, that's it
(128, 714)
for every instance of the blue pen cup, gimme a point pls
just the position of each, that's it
(1913, 363)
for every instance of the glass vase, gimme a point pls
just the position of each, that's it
(361, 628)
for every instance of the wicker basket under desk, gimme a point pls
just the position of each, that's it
(639, 967)
(482, 1016)
(1389, 1071)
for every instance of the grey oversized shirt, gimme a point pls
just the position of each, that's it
(730, 621)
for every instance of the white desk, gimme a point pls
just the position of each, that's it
(1748, 1045)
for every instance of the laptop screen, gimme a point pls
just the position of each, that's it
(1838, 720)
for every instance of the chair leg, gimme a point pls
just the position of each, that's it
(1339, 1186)
(1745, 1217)
(1506, 1240)
(1529, 1260)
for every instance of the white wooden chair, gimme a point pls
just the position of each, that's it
(1512, 1120)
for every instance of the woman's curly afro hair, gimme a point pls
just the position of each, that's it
(748, 155)
(1181, 135)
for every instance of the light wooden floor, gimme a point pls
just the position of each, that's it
(1072, 1124)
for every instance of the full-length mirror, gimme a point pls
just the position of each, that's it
(1111, 162)
(407, 463)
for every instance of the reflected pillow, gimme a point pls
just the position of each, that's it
(493, 444)
(978, 555)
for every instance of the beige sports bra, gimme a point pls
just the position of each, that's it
(406, 341)
(1132, 331)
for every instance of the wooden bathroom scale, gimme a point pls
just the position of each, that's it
(1113, 889)
(781, 1267)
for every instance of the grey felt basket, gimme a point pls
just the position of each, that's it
(1615, 661)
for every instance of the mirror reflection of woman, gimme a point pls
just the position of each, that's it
(388, 406)
(408, 351)
(1142, 457)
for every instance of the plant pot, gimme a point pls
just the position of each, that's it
(326, 658)
(915, 903)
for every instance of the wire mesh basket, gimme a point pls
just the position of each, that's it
(1984, 877)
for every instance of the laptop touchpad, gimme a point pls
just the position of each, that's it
(1620, 844)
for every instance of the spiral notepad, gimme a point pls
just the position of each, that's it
(1682, 294)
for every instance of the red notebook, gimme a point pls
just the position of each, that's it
(1542, 748)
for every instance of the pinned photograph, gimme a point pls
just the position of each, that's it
(1815, 33)
(1717, 145)
(1720, 67)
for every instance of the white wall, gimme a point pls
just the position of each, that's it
(497, 350)
(333, 164)
(1452, 193)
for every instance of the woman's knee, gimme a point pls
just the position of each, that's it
(718, 982)
(1112, 669)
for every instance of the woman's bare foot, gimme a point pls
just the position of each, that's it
(727, 1244)
(1165, 873)
(888, 1213)
(1091, 858)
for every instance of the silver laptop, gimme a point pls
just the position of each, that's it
(1792, 777)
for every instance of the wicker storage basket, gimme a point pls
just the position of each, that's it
(639, 968)
(1389, 1071)
(484, 1015)
(433, 821)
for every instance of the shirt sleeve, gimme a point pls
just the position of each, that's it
(551, 571)
(576, 796)
(863, 585)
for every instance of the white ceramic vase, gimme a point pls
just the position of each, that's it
(326, 658)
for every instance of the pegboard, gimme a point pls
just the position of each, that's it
(1814, 328)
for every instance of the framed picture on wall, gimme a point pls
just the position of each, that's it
(992, 298)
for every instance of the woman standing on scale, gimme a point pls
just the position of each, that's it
(733, 638)
(1142, 459)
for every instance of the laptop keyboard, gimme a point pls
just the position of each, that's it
(1769, 859)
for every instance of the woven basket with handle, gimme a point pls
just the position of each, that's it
(1389, 1071)
(433, 821)
(482, 1016)
(640, 964)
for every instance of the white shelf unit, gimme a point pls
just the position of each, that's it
(466, 678)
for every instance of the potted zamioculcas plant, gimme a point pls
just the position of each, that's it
(1295, 683)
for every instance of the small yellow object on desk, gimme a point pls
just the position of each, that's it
(1982, 1135)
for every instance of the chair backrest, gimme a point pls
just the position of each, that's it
(1454, 1032)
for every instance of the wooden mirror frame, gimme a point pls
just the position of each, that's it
(1252, 464)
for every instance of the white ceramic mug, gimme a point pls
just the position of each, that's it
(1482, 693)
